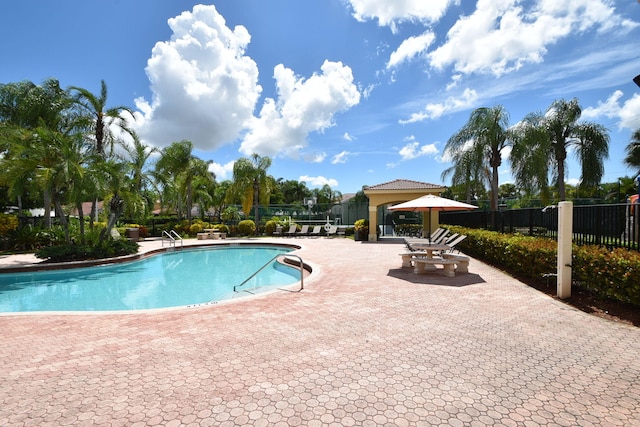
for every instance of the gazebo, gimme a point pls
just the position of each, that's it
(398, 191)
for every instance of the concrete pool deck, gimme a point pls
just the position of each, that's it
(366, 343)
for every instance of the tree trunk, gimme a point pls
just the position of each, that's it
(115, 210)
(63, 220)
(47, 208)
(256, 203)
(81, 219)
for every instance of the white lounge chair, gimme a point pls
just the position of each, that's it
(292, 230)
(304, 231)
(452, 244)
(317, 231)
(332, 231)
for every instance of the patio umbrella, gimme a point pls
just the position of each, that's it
(431, 202)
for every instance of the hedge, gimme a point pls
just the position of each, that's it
(606, 273)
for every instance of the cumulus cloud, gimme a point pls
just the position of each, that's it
(348, 137)
(451, 104)
(390, 13)
(414, 150)
(303, 106)
(340, 157)
(411, 47)
(318, 181)
(627, 114)
(204, 86)
(222, 172)
(501, 35)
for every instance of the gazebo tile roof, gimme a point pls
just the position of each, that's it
(404, 184)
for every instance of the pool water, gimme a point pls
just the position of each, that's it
(171, 279)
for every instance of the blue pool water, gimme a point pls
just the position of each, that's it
(171, 279)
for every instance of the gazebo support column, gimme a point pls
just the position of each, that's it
(373, 223)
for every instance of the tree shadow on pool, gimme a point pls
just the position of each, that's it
(435, 278)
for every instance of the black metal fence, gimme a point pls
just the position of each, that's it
(614, 225)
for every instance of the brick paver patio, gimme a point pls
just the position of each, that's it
(366, 343)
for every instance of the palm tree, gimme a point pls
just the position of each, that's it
(173, 160)
(95, 107)
(138, 156)
(99, 118)
(485, 135)
(468, 172)
(543, 143)
(32, 118)
(251, 183)
(632, 158)
(178, 170)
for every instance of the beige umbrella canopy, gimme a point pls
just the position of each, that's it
(431, 202)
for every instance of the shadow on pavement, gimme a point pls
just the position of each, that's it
(436, 278)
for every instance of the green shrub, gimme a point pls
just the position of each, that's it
(605, 273)
(270, 227)
(76, 252)
(8, 223)
(221, 228)
(195, 229)
(247, 227)
(608, 273)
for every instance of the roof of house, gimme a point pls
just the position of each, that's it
(404, 184)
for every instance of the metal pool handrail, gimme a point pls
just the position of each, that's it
(172, 236)
(300, 266)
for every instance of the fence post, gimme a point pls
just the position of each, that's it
(565, 241)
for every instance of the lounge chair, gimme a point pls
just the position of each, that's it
(450, 238)
(293, 229)
(452, 244)
(317, 231)
(304, 231)
(436, 234)
(441, 238)
(332, 231)
(278, 231)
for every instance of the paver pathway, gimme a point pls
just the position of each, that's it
(366, 343)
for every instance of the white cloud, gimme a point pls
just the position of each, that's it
(204, 86)
(222, 172)
(318, 181)
(627, 113)
(303, 106)
(340, 157)
(348, 137)
(315, 157)
(411, 47)
(389, 13)
(414, 150)
(452, 104)
(501, 36)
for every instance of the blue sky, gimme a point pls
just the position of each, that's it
(344, 92)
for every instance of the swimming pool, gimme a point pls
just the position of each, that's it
(170, 279)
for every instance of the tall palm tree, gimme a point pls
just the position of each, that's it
(251, 183)
(486, 134)
(99, 118)
(543, 143)
(632, 159)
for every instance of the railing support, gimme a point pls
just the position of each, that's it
(300, 266)
(172, 236)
